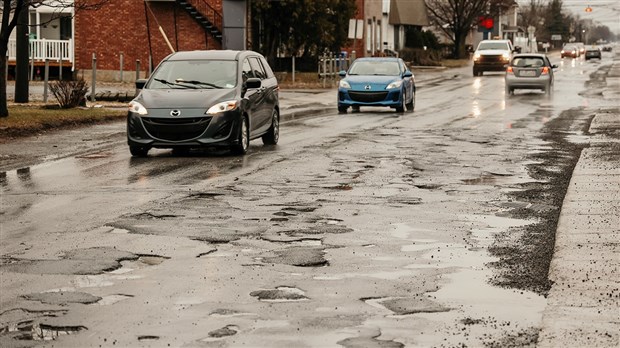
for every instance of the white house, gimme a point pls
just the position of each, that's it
(51, 34)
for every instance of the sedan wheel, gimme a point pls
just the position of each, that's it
(411, 104)
(273, 134)
(403, 103)
(241, 148)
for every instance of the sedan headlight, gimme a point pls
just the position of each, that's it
(344, 84)
(395, 84)
(222, 107)
(137, 108)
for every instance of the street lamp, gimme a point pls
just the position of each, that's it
(588, 9)
(585, 36)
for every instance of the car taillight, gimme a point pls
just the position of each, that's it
(509, 70)
(545, 70)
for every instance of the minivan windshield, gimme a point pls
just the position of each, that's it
(379, 67)
(195, 74)
(493, 46)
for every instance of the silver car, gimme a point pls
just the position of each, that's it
(529, 71)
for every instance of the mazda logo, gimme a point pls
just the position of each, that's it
(175, 113)
(367, 87)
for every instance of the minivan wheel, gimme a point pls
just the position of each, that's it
(273, 134)
(243, 140)
(138, 151)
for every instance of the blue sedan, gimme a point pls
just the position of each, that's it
(377, 82)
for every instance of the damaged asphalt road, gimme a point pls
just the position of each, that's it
(434, 228)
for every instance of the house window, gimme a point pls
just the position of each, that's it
(397, 37)
(369, 36)
(378, 38)
(66, 32)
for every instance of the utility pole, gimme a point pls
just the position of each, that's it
(22, 56)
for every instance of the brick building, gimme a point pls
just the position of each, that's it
(131, 28)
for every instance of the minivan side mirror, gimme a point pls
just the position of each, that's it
(342, 73)
(140, 83)
(407, 73)
(554, 66)
(252, 83)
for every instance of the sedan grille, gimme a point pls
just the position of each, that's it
(367, 97)
(176, 129)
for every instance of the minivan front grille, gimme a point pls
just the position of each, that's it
(176, 129)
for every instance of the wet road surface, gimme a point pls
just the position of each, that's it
(432, 228)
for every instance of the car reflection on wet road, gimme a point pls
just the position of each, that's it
(362, 229)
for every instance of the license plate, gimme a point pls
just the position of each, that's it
(528, 73)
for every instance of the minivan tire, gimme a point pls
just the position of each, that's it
(243, 140)
(138, 151)
(273, 134)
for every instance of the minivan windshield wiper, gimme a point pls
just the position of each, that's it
(198, 83)
(166, 82)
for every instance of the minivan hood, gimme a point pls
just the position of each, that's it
(183, 98)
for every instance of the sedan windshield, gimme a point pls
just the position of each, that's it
(195, 74)
(375, 68)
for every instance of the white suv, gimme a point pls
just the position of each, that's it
(492, 55)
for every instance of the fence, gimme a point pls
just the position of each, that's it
(331, 64)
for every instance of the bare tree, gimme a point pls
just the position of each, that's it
(10, 11)
(457, 17)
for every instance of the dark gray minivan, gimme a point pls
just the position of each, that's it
(205, 99)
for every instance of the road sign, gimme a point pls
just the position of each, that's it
(556, 37)
(356, 28)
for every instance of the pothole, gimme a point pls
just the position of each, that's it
(280, 294)
(298, 256)
(32, 331)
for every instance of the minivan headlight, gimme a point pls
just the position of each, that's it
(222, 107)
(137, 108)
(395, 84)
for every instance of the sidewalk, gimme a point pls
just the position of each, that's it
(583, 304)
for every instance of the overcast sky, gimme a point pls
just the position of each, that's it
(606, 12)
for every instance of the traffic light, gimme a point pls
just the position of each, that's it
(486, 22)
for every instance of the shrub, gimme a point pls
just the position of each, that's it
(69, 93)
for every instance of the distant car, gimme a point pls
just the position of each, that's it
(607, 48)
(593, 52)
(492, 55)
(377, 81)
(205, 99)
(580, 46)
(529, 71)
(569, 51)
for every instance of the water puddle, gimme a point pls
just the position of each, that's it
(112, 299)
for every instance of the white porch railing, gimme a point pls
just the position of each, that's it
(42, 49)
